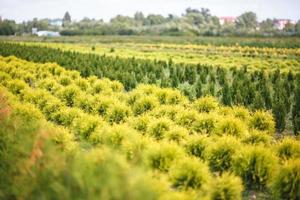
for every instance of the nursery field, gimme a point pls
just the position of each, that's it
(254, 77)
(237, 56)
(271, 42)
(64, 136)
(149, 118)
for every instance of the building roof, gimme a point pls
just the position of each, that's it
(227, 18)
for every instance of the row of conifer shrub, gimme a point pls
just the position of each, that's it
(274, 89)
(184, 146)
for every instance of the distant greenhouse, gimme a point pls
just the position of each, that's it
(48, 33)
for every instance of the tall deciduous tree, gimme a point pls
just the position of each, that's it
(247, 22)
(267, 26)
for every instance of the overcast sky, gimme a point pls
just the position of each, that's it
(105, 9)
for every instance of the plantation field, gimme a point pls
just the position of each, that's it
(254, 58)
(257, 87)
(270, 42)
(65, 136)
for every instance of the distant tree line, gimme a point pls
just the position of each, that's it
(194, 22)
(275, 91)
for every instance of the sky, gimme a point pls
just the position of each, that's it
(22, 10)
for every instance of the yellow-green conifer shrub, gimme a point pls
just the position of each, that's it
(85, 102)
(220, 154)
(36, 97)
(73, 74)
(147, 187)
(29, 79)
(181, 195)
(97, 137)
(286, 182)
(197, 145)
(227, 187)
(160, 156)
(177, 134)
(16, 86)
(115, 136)
(255, 165)
(262, 121)
(117, 113)
(101, 104)
(159, 127)
(17, 73)
(141, 91)
(147, 89)
(69, 94)
(256, 137)
(145, 104)
(49, 84)
(225, 111)
(63, 139)
(64, 115)
(135, 149)
(4, 77)
(110, 83)
(52, 108)
(43, 98)
(205, 123)
(241, 113)
(162, 96)
(230, 126)
(141, 123)
(118, 179)
(187, 118)
(190, 173)
(169, 111)
(133, 96)
(100, 86)
(64, 80)
(85, 124)
(288, 148)
(206, 104)
(92, 79)
(116, 86)
(29, 116)
(83, 84)
(54, 69)
(170, 96)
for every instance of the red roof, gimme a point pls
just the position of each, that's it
(227, 18)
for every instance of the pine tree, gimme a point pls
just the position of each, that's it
(258, 102)
(266, 94)
(226, 94)
(279, 107)
(279, 112)
(175, 81)
(66, 19)
(296, 107)
(212, 76)
(193, 75)
(203, 77)
(212, 89)
(198, 88)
